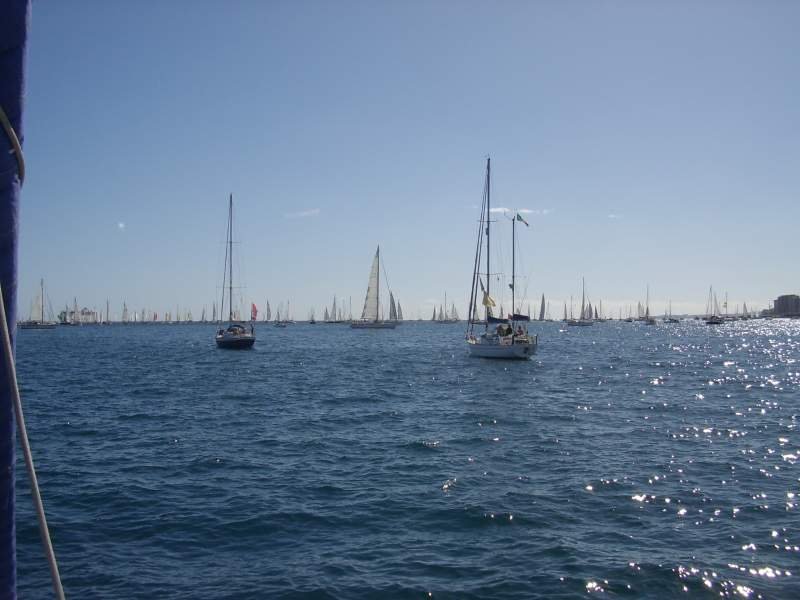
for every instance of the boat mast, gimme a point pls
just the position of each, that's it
(378, 294)
(583, 298)
(488, 228)
(230, 258)
(513, 265)
(41, 281)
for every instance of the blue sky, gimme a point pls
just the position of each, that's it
(653, 142)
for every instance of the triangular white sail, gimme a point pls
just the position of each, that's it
(541, 310)
(399, 312)
(327, 316)
(370, 312)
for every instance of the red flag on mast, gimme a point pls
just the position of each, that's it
(253, 311)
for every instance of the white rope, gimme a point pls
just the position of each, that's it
(26, 452)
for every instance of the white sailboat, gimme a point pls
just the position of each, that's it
(235, 336)
(585, 319)
(503, 337)
(713, 316)
(668, 318)
(646, 318)
(371, 315)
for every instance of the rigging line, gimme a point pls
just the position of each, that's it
(15, 145)
(58, 590)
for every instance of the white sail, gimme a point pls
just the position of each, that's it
(392, 308)
(327, 316)
(370, 312)
(541, 310)
(453, 313)
(333, 310)
(37, 309)
(399, 312)
(269, 312)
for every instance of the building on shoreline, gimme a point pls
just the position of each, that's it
(787, 305)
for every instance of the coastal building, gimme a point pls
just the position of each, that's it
(787, 305)
(78, 317)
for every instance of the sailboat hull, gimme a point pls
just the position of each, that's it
(36, 325)
(373, 325)
(579, 323)
(235, 343)
(514, 351)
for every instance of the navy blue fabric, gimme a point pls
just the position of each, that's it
(497, 320)
(14, 21)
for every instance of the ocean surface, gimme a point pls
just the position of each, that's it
(624, 461)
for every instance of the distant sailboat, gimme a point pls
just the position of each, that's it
(646, 318)
(585, 319)
(668, 318)
(541, 309)
(371, 314)
(236, 335)
(446, 316)
(37, 318)
(713, 316)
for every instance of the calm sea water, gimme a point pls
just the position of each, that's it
(332, 463)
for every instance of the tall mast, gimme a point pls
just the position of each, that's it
(378, 295)
(230, 258)
(583, 298)
(488, 228)
(513, 264)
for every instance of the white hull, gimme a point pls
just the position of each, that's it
(515, 351)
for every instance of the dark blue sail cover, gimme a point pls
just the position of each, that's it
(14, 20)
(497, 320)
(516, 317)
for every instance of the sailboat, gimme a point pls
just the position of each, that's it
(668, 318)
(236, 336)
(712, 309)
(585, 319)
(646, 318)
(395, 311)
(446, 316)
(371, 315)
(333, 315)
(278, 321)
(541, 310)
(37, 320)
(507, 338)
